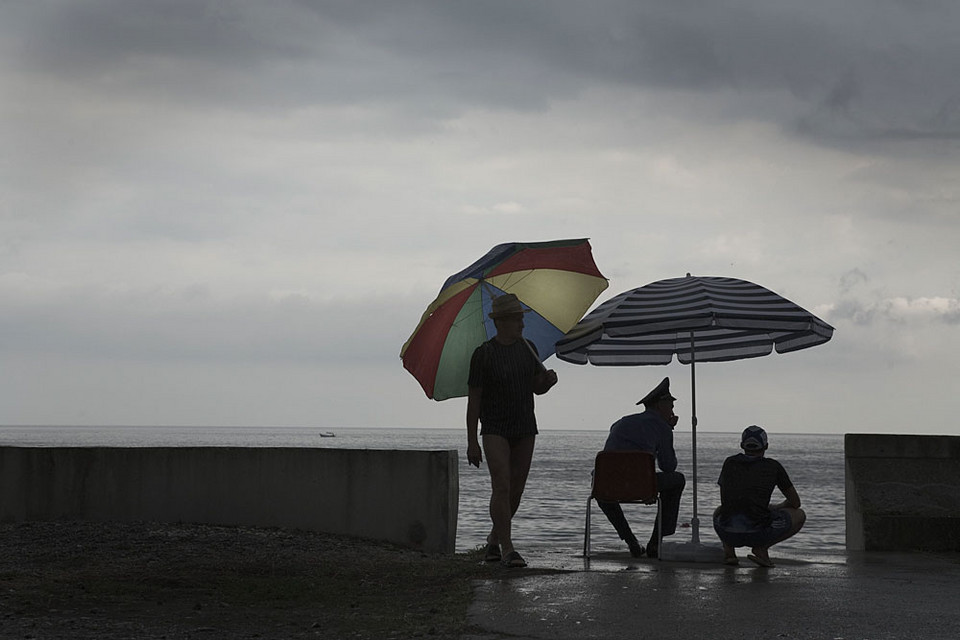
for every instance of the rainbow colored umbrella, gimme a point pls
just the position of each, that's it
(557, 280)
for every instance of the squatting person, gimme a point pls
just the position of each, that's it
(745, 517)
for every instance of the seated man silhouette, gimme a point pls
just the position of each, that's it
(650, 431)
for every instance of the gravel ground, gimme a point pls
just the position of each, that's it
(81, 580)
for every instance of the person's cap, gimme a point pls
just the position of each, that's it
(754, 438)
(660, 392)
(506, 305)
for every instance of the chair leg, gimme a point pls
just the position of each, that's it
(586, 531)
(659, 529)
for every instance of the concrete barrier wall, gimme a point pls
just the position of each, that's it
(902, 492)
(405, 497)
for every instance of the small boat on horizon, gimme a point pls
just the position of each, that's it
(327, 434)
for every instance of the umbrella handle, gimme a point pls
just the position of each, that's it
(540, 364)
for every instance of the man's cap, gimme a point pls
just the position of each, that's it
(754, 438)
(660, 392)
(506, 305)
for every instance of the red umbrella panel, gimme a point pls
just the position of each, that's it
(557, 280)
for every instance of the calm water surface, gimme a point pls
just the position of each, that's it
(552, 513)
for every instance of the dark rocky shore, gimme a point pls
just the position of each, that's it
(82, 580)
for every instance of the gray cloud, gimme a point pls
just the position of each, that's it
(194, 325)
(851, 279)
(854, 310)
(901, 311)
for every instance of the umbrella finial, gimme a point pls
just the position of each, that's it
(688, 274)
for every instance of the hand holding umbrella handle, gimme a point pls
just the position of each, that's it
(544, 381)
(545, 378)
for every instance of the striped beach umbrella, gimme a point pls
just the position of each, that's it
(556, 280)
(696, 319)
(704, 319)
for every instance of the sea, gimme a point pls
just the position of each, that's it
(551, 515)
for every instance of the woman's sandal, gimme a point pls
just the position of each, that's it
(513, 560)
(491, 553)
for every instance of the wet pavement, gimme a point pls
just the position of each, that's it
(837, 597)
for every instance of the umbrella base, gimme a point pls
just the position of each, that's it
(691, 552)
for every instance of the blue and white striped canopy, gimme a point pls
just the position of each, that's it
(696, 318)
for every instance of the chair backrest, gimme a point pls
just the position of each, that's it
(624, 476)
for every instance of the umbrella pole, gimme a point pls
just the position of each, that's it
(540, 366)
(693, 551)
(695, 520)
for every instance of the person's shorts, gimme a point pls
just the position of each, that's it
(739, 531)
(510, 433)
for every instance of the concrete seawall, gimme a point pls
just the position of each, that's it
(405, 497)
(902, 492)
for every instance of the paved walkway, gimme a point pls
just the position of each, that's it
(840, 597)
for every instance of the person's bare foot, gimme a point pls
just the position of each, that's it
(730, 556)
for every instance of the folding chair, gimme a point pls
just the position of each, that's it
(627, 477)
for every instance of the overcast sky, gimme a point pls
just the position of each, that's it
(234, 213)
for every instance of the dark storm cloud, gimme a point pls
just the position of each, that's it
(100, 36)
(866, 70)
